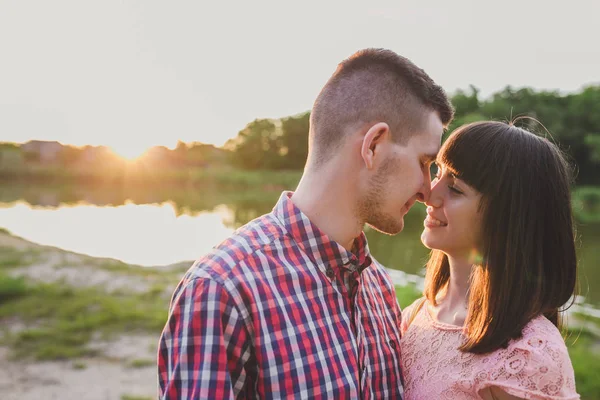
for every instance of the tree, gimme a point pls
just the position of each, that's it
(257, 146)
(294, 141)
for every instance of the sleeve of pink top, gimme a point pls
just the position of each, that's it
(537, 366)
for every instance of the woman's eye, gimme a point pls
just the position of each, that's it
(454, 189)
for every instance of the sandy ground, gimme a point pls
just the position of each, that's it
(108, 376)
(85, 379)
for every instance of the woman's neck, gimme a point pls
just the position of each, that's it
(453, 301)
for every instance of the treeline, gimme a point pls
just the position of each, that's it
(572, 121)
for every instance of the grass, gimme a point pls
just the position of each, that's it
(12, 258)
(11, 288)
(586, 363)
(406, 295)
(79, 365)
(127, 269)
(133, 397)
(141, 363)
(66, 318)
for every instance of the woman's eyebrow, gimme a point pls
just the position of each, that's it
(451, 171)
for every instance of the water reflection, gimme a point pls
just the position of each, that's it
(156, 227)
(148, 234)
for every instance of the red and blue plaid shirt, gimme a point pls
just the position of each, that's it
(278, 310)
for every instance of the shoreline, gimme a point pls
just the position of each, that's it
(87, 328)
(399, 277)
(116, 363)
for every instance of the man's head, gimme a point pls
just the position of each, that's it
(386, 116)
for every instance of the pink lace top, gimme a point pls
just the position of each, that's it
(537, 366)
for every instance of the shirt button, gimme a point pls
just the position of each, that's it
(393, 344)
(330, 272)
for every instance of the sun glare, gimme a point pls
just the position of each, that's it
(129, 152)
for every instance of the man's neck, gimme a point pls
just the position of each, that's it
(328, 201)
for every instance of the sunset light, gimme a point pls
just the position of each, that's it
(130, 151)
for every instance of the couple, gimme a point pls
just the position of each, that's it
(293, 305)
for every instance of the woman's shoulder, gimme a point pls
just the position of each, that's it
(540, 358)
(543, 345)
(412, 306)
(409, 313)
(538, 334)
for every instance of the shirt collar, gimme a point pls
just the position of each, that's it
(323, 251)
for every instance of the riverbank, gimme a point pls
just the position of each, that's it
(80, 327)
(142, 175)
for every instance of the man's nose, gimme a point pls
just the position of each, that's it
(425, 192)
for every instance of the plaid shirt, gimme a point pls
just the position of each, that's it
(268, 314)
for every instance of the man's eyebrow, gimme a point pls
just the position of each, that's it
(429, 157)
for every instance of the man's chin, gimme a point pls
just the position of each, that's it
(389, 227)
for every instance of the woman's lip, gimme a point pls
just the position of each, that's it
(432, 222)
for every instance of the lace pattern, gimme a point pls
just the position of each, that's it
(536, 366)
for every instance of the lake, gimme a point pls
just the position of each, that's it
(171, 224)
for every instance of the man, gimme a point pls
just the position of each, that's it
(293, 305)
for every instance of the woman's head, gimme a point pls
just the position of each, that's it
(521, 228)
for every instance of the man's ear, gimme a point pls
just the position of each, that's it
(373, 138)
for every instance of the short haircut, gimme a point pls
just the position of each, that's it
(374, 85)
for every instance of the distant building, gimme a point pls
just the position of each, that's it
(42, 151)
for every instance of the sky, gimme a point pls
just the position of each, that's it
(133, 74)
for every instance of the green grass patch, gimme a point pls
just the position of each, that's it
(586, 363)
(141, 363)
(11, 288)
(406, 295)
(12, 258)
(66, 318)
(128, 269)
(133, 397)
(79, 365)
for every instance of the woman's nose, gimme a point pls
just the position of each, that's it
(435, 197)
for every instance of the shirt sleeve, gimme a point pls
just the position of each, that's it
(204, 346)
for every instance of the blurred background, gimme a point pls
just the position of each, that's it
(136, 135)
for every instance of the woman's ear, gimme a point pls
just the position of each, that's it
(372, 141)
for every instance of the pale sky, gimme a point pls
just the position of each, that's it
(132, 74)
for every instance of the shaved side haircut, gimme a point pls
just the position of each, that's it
(374, 85)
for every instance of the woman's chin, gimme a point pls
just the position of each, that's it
(426, 240)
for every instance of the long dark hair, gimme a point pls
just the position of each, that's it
(528, 264)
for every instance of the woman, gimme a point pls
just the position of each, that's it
(503, 263)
